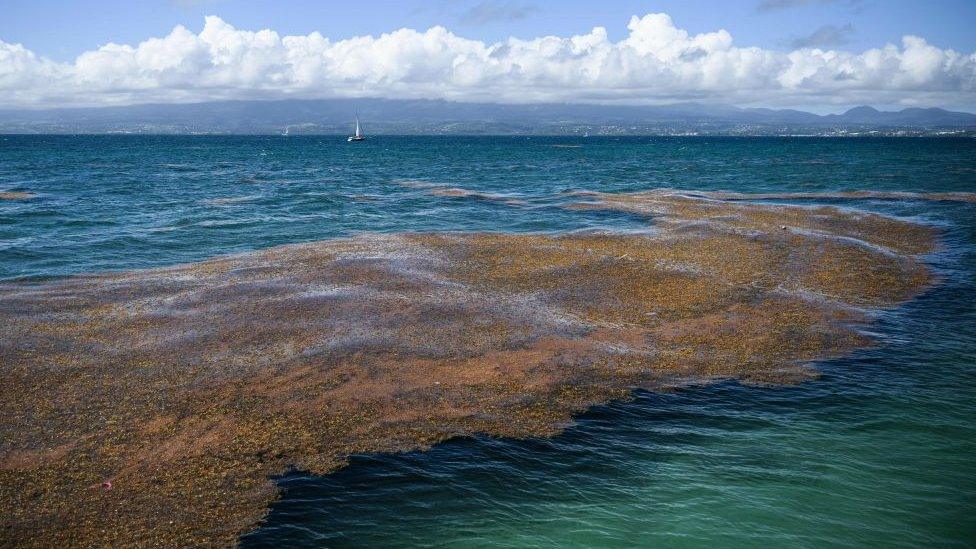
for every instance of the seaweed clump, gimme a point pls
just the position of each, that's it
(152, 407)
(16, 195)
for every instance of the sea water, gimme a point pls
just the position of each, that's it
(878, 452)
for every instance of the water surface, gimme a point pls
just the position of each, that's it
(878, 452)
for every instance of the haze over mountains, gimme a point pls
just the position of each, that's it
(383, 116)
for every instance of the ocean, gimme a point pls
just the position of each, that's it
(877, 452)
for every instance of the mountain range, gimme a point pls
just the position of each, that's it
(385, 116)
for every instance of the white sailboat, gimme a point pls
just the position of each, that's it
(359, 134)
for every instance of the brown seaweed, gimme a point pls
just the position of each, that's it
(152, 407)
(16, 195)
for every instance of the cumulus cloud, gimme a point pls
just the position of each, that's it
(657, 62)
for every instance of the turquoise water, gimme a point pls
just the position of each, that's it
(877, 453)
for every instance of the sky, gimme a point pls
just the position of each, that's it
(821, 55)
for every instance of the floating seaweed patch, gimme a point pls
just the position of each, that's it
(153, 406)
(455, 192)
(16, 195)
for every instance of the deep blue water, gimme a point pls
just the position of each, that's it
(877, 453)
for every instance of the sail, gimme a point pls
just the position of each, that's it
(358, 132)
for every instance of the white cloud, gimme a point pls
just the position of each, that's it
(657, 62)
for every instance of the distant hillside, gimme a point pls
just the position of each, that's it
(442, 117)
(904, 117)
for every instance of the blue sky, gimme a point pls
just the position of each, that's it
(822, 55)
(64, 29)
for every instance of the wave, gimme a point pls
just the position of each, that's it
(229, 200)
